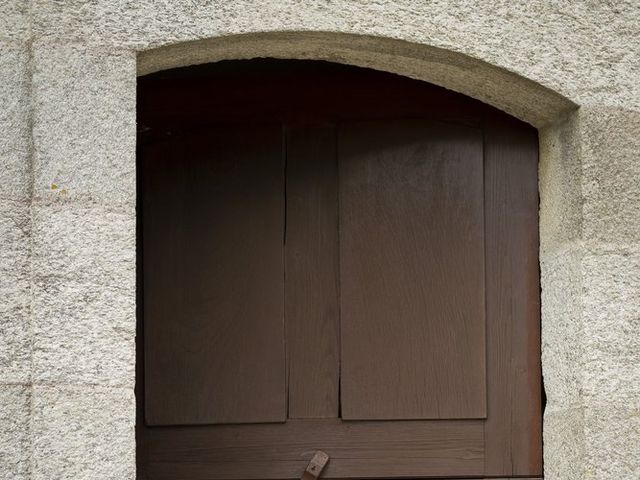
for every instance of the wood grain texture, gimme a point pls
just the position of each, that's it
(514, 425)
(311, 258)
(411, 271)
(214, 284)
(215, 97)
(356, 449)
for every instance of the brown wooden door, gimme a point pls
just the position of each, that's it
(411, 270)
(334, 259)
(213, 269)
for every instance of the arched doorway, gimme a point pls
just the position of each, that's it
(334, 259)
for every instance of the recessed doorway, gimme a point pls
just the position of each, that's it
(336, 259)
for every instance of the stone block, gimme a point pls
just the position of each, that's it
(84, 295)
(15, 451)
(83, 433)
(15, 340)
(15, 140)
(564, 444)
(83, 333)
(612, 441)
(549, 43)
(611, 322)
(88, 244)
(15, 336)
(84, 124)
(561, 295)
(560, 185)
(15, 21)
(84, 137)
(611, 174)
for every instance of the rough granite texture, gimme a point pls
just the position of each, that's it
(15, 325)
(71, 161)
(15, 242)
(84, 294)
(67, 220)
(562, 350)
(15, 413)
(611, 173)
(560, 184)
(83, 433)
(575, 48)
(612, 300)
(15, 21)
(564, 444)
(15, 141)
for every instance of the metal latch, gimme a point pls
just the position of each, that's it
(315, 466)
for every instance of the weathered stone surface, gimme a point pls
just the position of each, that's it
(15, 190)
(89, 244)
(15, 21)
(83, 433)
(511, 93)
(15, 128)
(612, 434)
(576, 48)
(84, 295)
(562, 332)
(536, 60)
(84, 124)
(15, 335)
(564, 444)
(15, 401)
(611, 171)
(560, 183)
(611, 327)
(83, 333)
(15, 339)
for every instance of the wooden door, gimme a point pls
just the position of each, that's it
(213, 269)
(411, 270)
(334, 259)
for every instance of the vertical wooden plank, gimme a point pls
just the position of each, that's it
(513, 427)
(311, 259)
(213, 277)
(411, 271)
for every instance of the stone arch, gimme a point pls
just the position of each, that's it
(512, 93)
(555, 116)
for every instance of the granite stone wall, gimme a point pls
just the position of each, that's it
(67, 196)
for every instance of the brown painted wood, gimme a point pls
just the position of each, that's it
(356, 449)
(303, 96)
(311, 292)
(292, 92)
(213, 268)
(411, 271)
(514, 423)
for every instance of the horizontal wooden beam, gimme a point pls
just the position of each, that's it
(276, 451)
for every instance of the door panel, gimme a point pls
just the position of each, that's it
(411, 271)
(214, 283)
(311, 253)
